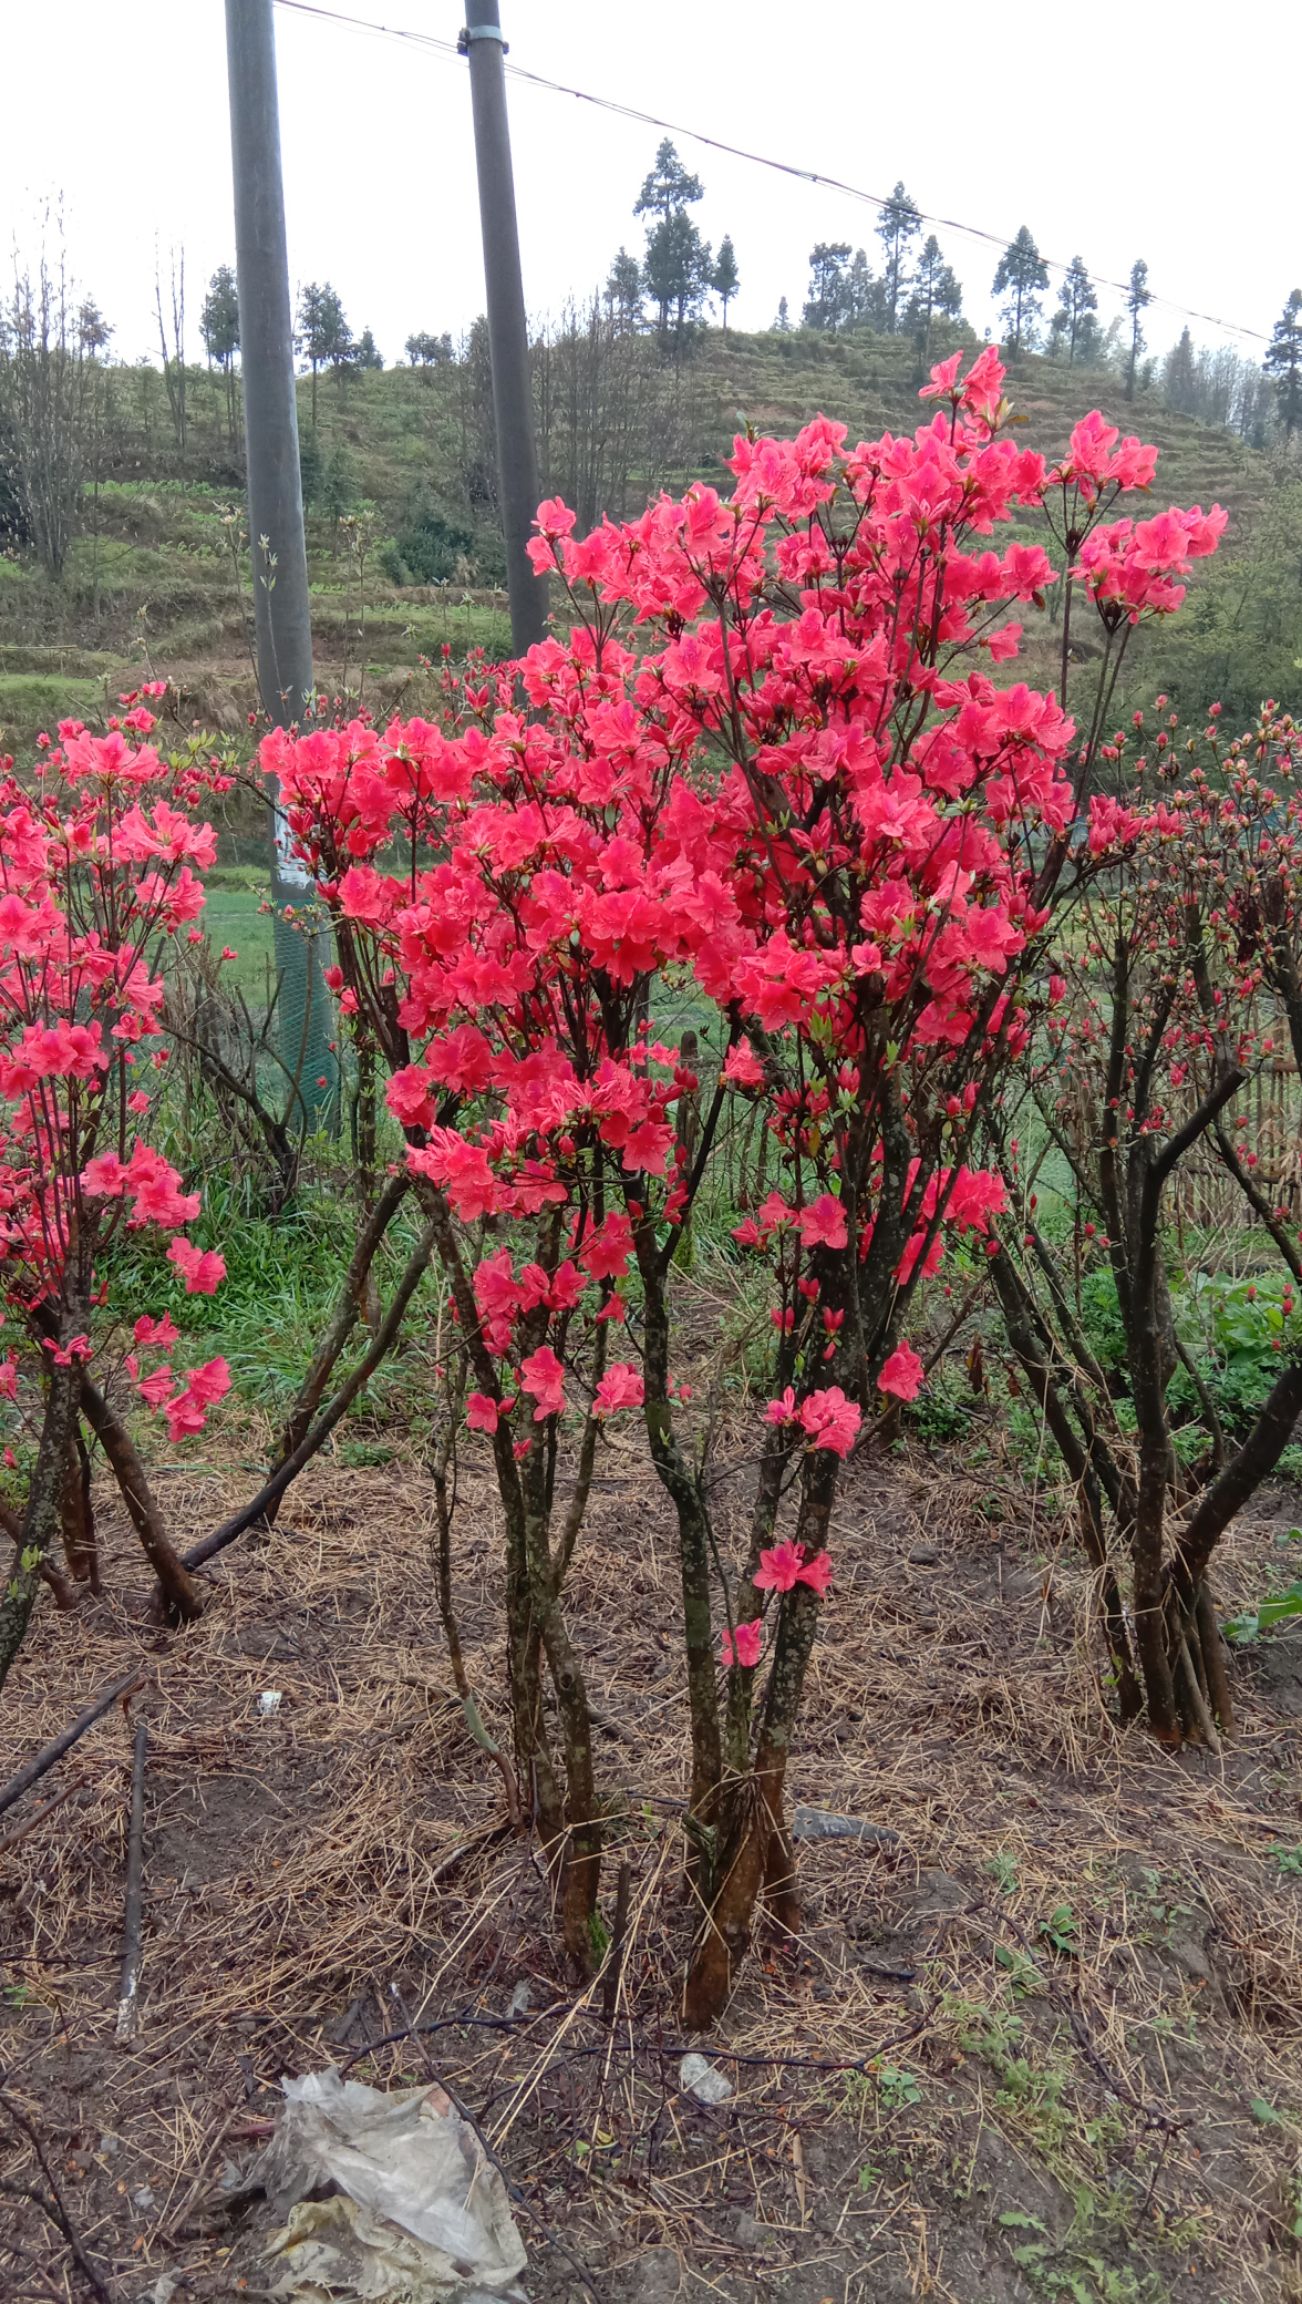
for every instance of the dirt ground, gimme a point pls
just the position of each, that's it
(1041, 2038)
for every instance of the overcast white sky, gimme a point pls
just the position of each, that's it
(1157, 130)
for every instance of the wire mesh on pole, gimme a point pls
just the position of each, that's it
(277, 538)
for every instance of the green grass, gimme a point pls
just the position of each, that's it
(281, 1286)
(234, 915)
(35, 701)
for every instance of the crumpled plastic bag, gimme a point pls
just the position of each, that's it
(417, 2213)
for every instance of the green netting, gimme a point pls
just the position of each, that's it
(307, 1024)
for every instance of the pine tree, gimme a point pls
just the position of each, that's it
(93, 330)
(936, 294)
(1138, 295)
(900, 225)
(677, 268)
(324, 336)
(426, 351)
(677, 272)
(727, 279)
(219, 319)
(624, 293)
(219, 326)
(365, 352)
(1074, 328)
(782, 324)
(668, 187)
(1180, 376)
(864, 296)
(827, 303)
(343, 355)
(1021, 276)
(1283, 363)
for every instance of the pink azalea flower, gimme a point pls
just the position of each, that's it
(779, 1568)
(783, 1411)
(605, 1253)
(104, 1176)
(831, 1420)
(210, 1383)
(749, 1642)
(902, 1374)
(817, 1573)
(203, 1269)
(482, 1412)
(742, 1067)
(185, 1415)
(822, 1224)
(620, 1387)
(543, 1376)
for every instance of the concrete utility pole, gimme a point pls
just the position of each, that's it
(277, 543)
(508, 337)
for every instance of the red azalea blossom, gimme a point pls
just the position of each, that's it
(779, 1568)
(203, 1270)
(831, 1420)
(620, 1387)
(543, 1377)
(902, 1374)
(745, 1647)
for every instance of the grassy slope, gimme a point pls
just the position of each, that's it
(153, 584)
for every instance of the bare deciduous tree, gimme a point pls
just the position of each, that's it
(171, 339)
(51, 384)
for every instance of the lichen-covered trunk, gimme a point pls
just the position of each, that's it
(754, 1838)
(691, 1512)
(43, 1518)
(534, 1765)
(1149, 1591)
(581, 1860)
(755, 1851)
(80, 1547)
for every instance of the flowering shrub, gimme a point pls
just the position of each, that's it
(1178, 985)
(100, 851)
(771, 760)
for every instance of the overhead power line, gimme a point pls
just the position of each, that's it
(448, 49)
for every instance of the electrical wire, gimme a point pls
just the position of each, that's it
(449, 49)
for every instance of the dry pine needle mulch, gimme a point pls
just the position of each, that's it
(1044, 2041)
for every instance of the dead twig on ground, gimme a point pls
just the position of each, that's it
(51, 2201)
(17, 1832)
(49, 1753)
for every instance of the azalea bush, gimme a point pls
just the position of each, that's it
(1178, 984)
(101, 847)
(772, 763)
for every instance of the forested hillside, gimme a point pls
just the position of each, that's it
(399, 480)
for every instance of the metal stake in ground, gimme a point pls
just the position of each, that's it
(277, 540)
(508, 336)
(129, 1988)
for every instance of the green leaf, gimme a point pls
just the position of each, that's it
(1265, 2114)
(1279, 1605)
(1239, 1630)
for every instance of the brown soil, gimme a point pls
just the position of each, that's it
(1045, 2044)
